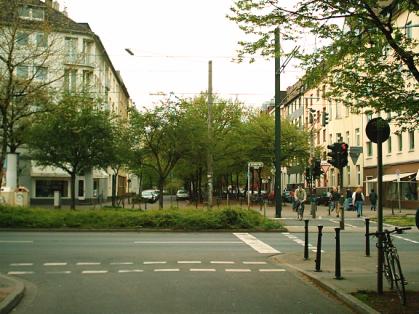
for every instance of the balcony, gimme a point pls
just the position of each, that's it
(80, 59)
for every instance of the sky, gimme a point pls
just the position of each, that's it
(172, 42)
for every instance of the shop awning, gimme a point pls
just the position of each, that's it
(392, 177)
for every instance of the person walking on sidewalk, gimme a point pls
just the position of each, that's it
(300, 198)
(335, 200)
(373, 200)
(358, 199)
(348, 200)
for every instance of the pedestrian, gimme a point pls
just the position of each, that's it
(330, 203)
(373, 200)
(335, 200)
(292, 195)
(300, 198)
(348, 200)
(358, 199)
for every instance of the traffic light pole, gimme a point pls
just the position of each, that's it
(342, 209)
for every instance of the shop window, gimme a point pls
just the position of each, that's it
(46, 188)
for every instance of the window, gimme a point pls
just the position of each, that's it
(318, 138)
(87, 80)
(369, 116)
(338, 137)
(41, 40)
(389, 145)
(22, 39)
(41, 73)
(411, 140)
(369, 149)
(324, 136)
(357, 137)
(324, 91)
(330, 110)
(88, 52)
(330, 138)
(400, 139)
(358, 174)
(22, 72)
(71, 49)
(46, 188)
(70, 80)
(32, 13)
(347, 111)
(348, 176)
(347, 138)
(337, 109)
(409, 33)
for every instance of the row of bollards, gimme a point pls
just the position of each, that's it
(338, 274)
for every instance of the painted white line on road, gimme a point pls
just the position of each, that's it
(21, 264)
(255, 244)
(20, 272)
(166, 269)
(11, 241)
(87, 263)
(202, 269)
(409, 240)
(64, 272)
(130, 271)
(222, 262)
(271, 270)
(315, 251)
(238, 270)
(55, 264)
(189, 262)
(188, 242)
(122, 263)
(285, 233)
(88, 272)
(155, 262)
(334, 221)
(254, 263)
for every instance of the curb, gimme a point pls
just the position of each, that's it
(352, 302)
(13, 299)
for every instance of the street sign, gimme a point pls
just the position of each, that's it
(255, 164)
(377, 128)
(354, 152)
(325, 167)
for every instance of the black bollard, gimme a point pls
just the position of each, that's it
(337, 257)
(306, 239)
(367, 237)
(319, 249)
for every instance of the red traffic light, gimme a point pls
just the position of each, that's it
(344, 147)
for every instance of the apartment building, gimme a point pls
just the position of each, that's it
(78, 61)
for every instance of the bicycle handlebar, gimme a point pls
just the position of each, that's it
(396, 230)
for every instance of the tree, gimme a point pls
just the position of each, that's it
(27, 54)
(161, 135)
(74, 137)
(367, 60)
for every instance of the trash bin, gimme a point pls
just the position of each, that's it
(21, 196)
(7, 195)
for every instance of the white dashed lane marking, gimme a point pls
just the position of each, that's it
(55, 264)
(266, 270)
(89, 272)
(166, 269)
(20, 272)
(254, 243)
(64, 272)
(87, 263)
(189, 262)
(122, 263)
(222, 262)
(21, 264)
(17, 242)
(130, 271)
(254, 263)
(238, 270)
(202, 269)
(154, 262)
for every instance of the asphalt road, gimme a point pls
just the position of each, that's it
(157, 273)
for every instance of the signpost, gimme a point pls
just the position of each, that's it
(254, 165)
(378, 132)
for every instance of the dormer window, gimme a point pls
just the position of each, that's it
(32, 13)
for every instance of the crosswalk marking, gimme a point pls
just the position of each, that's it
(255, 244)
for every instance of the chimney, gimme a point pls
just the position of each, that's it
(48, 3)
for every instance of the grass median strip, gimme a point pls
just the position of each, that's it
(167, 219)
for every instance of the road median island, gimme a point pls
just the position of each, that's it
(11, 292)
(20, 218)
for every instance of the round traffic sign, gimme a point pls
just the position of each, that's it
(378, 128)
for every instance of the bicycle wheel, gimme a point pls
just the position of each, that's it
(399, 281)
(387, 268)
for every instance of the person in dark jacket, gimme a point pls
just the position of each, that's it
(373, 200)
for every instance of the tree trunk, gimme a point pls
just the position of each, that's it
(161, 185)
(199, 185)
(73, 190)
(237, 185)
(252, 182)
(3, 146)
(259, 171)
(114, 190)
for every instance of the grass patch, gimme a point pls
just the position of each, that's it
(109, 218)
(401, 221)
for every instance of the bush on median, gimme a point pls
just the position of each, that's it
(172, 219)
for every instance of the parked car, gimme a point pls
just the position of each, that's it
(182, 195)
(150, 196)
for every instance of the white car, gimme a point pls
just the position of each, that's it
(182, 195)
(150, 196)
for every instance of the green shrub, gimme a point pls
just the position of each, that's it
(172, 219)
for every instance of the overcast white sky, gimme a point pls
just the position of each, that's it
(172, 42)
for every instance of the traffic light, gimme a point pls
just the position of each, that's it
(343, 155)
(317, 171)
(325, 118)
(334, 154)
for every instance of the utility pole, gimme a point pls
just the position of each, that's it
(209, 147)
(277, 185)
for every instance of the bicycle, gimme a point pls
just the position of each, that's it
(392, 267)
(299, 207)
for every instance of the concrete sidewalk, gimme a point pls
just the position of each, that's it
(11, 292)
